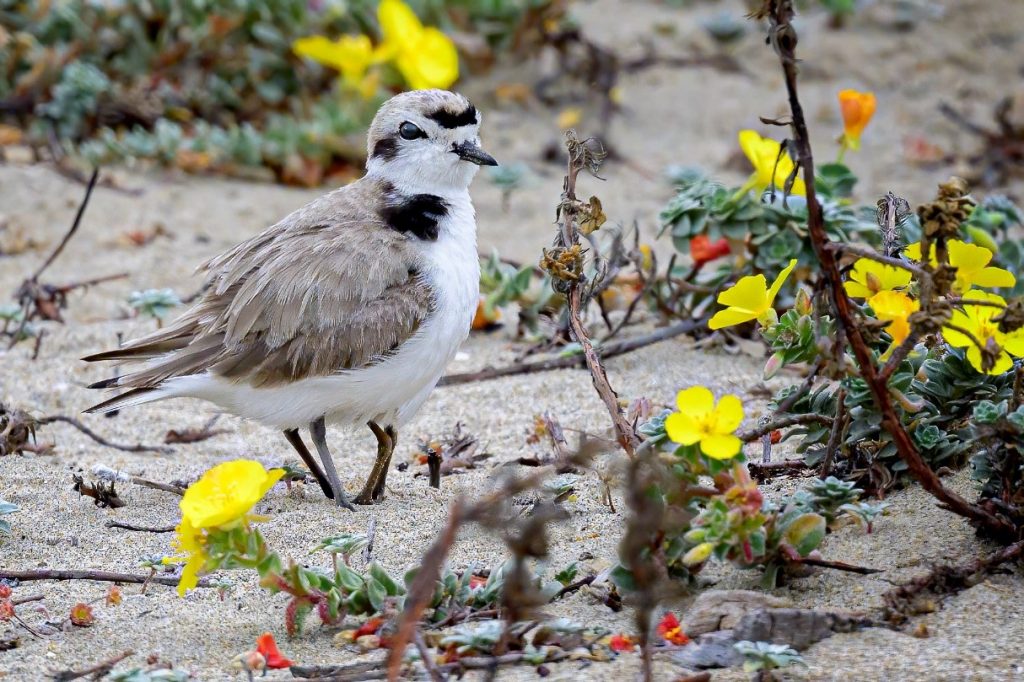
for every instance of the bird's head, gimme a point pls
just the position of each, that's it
(428, 140)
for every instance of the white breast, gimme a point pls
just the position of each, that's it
(391, 391)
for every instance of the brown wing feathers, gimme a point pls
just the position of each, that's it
(328, 288)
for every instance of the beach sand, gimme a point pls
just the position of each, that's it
(681, 116)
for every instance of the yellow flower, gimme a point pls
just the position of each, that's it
(569, 118)
(350, 55)
(425, 56)
(971, 263)
(222, 498)
(857, 109)
(769, 168)
(188, 542)
(977, 319)
(894, 307)
(750, 299)
(869, 277)
(699, 420)
(226, 493)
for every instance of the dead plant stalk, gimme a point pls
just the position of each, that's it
(783, 38)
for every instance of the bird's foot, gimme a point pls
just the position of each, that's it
(341, 499)
(368, 497)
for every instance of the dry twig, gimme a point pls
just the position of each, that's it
(783, 38)
(100, 439)
(98, 576)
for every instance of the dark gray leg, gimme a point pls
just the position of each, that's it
(386, 440)
(307, 458)
(318, 430)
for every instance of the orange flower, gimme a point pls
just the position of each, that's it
(621, 642)
(703, 249)
(481, 319)
(857, 109)
(476, 581)
(113, 596)
(81, 615)
(6, 610)
(267, 647)
(670, 631)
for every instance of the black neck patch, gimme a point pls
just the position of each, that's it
(447, 119)
(416, 214)
(385, 148)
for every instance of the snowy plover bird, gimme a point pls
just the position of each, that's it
(349, 309)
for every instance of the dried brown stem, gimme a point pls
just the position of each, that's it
(570, 236)
(142, 529)
(783, 38)
(100, 439)
(97, 576)
(605, 351)
(836, 565)
(97, 671)
(945, 580)
(763, 471)
(74, 226)
(784, 422)
(835, 437)
(422, 589)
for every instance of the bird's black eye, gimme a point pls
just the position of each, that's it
(410, 131)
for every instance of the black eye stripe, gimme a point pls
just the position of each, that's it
(386, 148)
(447, 119)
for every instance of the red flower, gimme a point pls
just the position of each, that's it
(6, 610)
(267, 647)
(5, 591)
(476, 581)
(370, 627)
(621, 642)
(670, 631)
(776, 436)
(703, 249)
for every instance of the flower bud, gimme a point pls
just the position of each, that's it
(698, 554)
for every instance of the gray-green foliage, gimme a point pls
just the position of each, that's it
(5, 509)
(166, 80)
(767, 656)
(155, 303)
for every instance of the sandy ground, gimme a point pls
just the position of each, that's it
(685, 116)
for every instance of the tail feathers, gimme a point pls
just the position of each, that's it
(137, 351)
(135, 396)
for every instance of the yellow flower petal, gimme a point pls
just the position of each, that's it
(728, 414)
(769, 167)
(696, 401)
(749, 293)
(721, 446)
(425, 56)
(226, 493)
(190, 574)
(966, 256)
(993, 277)
(398, 23)
(779, 281)
(682, 428)
(730, 317)
(1014, 343)
(868, 277)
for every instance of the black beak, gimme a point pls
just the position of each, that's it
(468, 151)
